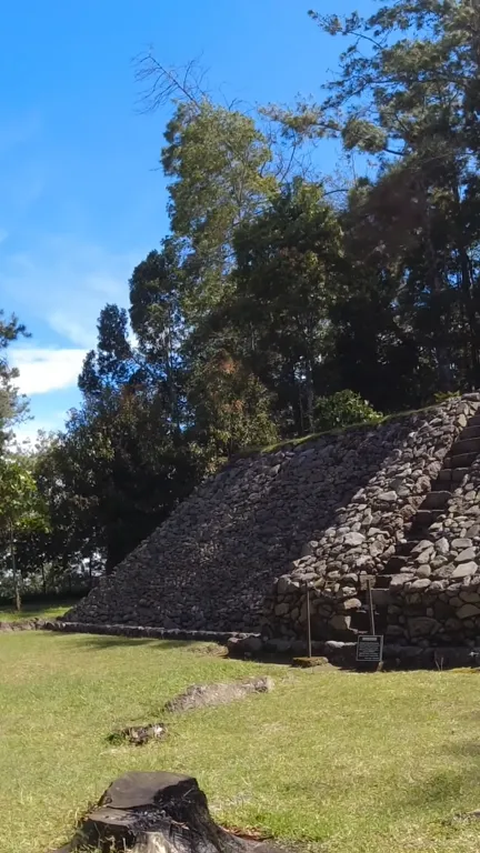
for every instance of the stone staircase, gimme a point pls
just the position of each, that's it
(456, 465)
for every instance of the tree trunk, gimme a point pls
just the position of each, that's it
(154, 813)
(16, 578)
(435, 285)
(466, 279)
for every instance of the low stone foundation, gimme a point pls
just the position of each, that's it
(242, 645)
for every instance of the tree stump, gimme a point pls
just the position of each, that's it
(156, 813)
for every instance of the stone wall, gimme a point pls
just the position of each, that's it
(329, 513)
(436, 597)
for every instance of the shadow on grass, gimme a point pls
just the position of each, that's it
(101, 642)
(468, 749)
(441, 789)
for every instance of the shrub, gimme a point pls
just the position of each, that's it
(345, 408)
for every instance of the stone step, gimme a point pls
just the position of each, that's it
(381, 599)
(447, 476)
(470, 432)
(466, 445)
(436, 499)
(443, 480)
(360, 620)
(383, 581)
(423, 518)
(460, 460)
(404, 548)
(395, 564)
(458, 474)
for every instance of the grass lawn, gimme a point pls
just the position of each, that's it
(350, 763)
(35, 611)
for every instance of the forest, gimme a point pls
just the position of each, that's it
(283, 301)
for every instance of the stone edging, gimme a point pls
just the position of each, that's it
(242, 645)
(119, 630)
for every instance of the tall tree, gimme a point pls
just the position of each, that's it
(218, 161)
(289, 260)
(125, 446)
(407, 95)
(22, 511)
(157, 315)
(13, 406)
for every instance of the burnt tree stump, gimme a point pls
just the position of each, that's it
(156, 813)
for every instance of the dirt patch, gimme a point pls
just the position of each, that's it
(207, 695)
(21, 625)
(139, 735)
(212, 650)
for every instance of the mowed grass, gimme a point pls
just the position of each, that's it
(343, 762)
(34, 611)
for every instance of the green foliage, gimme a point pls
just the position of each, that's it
(23, 513)
(442, 397)
(273, 291)
(21, 506)
(288, 264)
(343, 409)
(218, 160)
(232, 410)
(12, 405)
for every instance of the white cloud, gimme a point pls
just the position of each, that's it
(43, 370)
(66, 282)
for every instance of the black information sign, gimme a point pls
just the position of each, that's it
(370, 648)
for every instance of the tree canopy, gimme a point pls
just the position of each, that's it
(274, 306)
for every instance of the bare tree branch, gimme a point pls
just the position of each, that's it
(164, 84)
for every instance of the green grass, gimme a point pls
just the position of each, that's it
(34, 611)
(349, 763)
(315, 436)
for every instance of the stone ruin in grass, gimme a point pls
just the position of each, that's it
(397, 504)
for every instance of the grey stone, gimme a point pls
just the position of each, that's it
(388, 497)
(351, 604)
(424, 557)
(353, 539)
(400, 580)
(466, 555)
(421, 583)
(419, 626)
(442, 546)
(466, 611)
(283, 584)
(464, 570)
(423, 545)
(424, 571)
(461, 544)
(471, 596)
(340, 622)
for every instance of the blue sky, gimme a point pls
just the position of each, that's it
(81, 198)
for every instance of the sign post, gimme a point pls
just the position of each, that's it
(309, 626)
(371, 611)
(370, 646)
